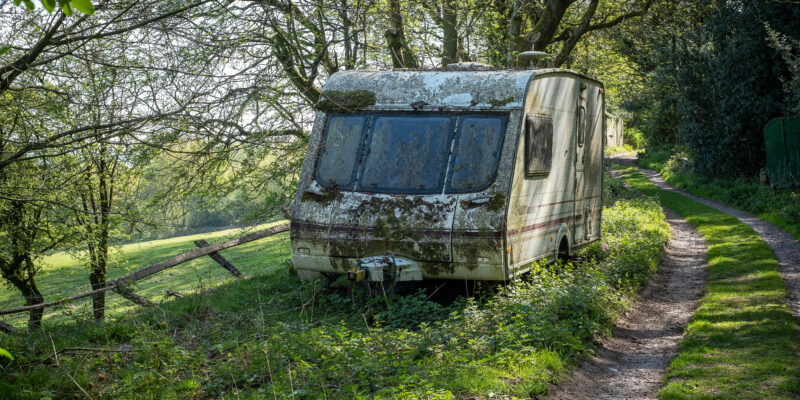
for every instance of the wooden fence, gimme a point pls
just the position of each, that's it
(204, 249)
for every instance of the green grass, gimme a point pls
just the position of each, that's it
(64, 274)
(626, 148)
(271, 336)
(742, 343)
(780, 206)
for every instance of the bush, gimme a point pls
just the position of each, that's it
(635, 138)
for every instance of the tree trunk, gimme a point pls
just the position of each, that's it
(516, 41)
(401, 53)
(17, 267)
(98, 280)
(100, 265)
(450, 32)
(24, 281)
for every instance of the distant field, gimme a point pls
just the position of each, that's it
(64, 275)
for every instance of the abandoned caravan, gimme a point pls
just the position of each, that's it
(449, 174)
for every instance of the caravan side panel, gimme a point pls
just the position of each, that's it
(563, 204)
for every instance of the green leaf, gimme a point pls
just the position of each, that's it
(84, 6)
(17, 2)
(29, 4)
(66, 8)
(4, 49)
(5, 353)
(49, 5)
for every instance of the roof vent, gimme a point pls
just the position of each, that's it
(470, 66)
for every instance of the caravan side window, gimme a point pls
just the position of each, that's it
(538, 145)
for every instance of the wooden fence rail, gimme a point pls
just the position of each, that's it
(158, 267)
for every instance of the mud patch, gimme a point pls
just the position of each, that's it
(631, 364)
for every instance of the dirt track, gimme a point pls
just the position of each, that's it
(785, 247)
(631, 364)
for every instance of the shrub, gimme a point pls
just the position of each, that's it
(635, 138)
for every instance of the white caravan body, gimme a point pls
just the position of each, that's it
(449, 174)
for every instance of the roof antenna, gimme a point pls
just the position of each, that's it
(532, 55)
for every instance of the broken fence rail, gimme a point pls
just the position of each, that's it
(158, 267)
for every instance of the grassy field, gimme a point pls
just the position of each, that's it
(63, 274)
(271, 336)
(781, 206)
(742, 343)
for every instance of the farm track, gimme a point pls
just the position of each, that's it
(631, 363)
(785, 247)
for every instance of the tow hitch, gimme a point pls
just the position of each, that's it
(383, 268)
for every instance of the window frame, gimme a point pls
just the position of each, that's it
(359, 151)
(448, 189)
(581, 125)
(367, 149)
(528, 142)
(366, 139)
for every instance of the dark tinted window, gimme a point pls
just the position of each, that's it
(407, 153)
(538, 145)
(477, 152)
(338, 157)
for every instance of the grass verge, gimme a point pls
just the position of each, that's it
(272, 336)
(780, 206)
(742, 343)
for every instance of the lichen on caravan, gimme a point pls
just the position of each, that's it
(345, 101)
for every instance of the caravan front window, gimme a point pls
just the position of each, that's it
(410, 153)
(407, 153)
(339, 154)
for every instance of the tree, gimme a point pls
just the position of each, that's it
(789, 49)
(396, 42)
(30, 222)
(563, 23)
(36, 42)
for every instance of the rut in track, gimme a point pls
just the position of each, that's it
(631, 364)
